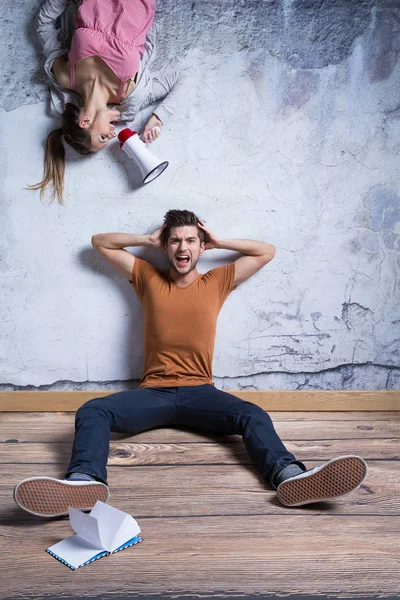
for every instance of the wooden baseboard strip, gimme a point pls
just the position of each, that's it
(286, 400)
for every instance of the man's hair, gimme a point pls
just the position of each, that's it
(179, 218)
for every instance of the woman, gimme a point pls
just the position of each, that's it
(98, 52)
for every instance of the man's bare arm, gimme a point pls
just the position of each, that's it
(256, 254)
(112, 247)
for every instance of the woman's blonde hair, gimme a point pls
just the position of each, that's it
(54, 155)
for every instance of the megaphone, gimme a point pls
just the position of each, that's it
(150, 166)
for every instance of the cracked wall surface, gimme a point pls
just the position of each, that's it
(287, 129)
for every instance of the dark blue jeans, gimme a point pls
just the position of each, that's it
(201, 407)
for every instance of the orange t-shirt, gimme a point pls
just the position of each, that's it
(179, 324)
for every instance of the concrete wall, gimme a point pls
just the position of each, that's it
(287, 130)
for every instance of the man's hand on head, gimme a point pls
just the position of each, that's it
(211, 241)
(155, 238)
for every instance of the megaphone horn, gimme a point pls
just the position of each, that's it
(150, 166)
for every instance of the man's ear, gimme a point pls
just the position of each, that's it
(202, 248)
(85, 122)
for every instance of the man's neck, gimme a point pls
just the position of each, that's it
(183, 280)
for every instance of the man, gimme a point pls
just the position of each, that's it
(180, 315)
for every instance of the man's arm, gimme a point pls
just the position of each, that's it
(112, 247)
(256, 254)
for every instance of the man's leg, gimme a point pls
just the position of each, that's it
(208, 409)
(125, 412)
(86, 479)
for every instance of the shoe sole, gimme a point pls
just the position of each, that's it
(47, 497)
(338, 477)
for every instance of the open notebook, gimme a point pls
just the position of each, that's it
(104, 531)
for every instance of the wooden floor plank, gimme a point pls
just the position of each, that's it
(211, 490)
(282, 400)
(314, 555)
(234, 452)
(48, 427)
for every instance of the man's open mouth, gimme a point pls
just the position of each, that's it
(182, 259)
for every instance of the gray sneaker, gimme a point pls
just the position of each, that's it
(49, 497)
(334, 478)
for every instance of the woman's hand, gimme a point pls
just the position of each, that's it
(150, 134)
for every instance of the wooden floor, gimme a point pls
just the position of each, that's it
(210, 526)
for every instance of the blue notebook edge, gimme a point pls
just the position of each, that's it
(131, 542)
(64, 562)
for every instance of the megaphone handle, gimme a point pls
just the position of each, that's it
(156, 129)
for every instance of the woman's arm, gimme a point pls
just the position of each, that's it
(165, 87)
(56, 43)
(46, 23)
